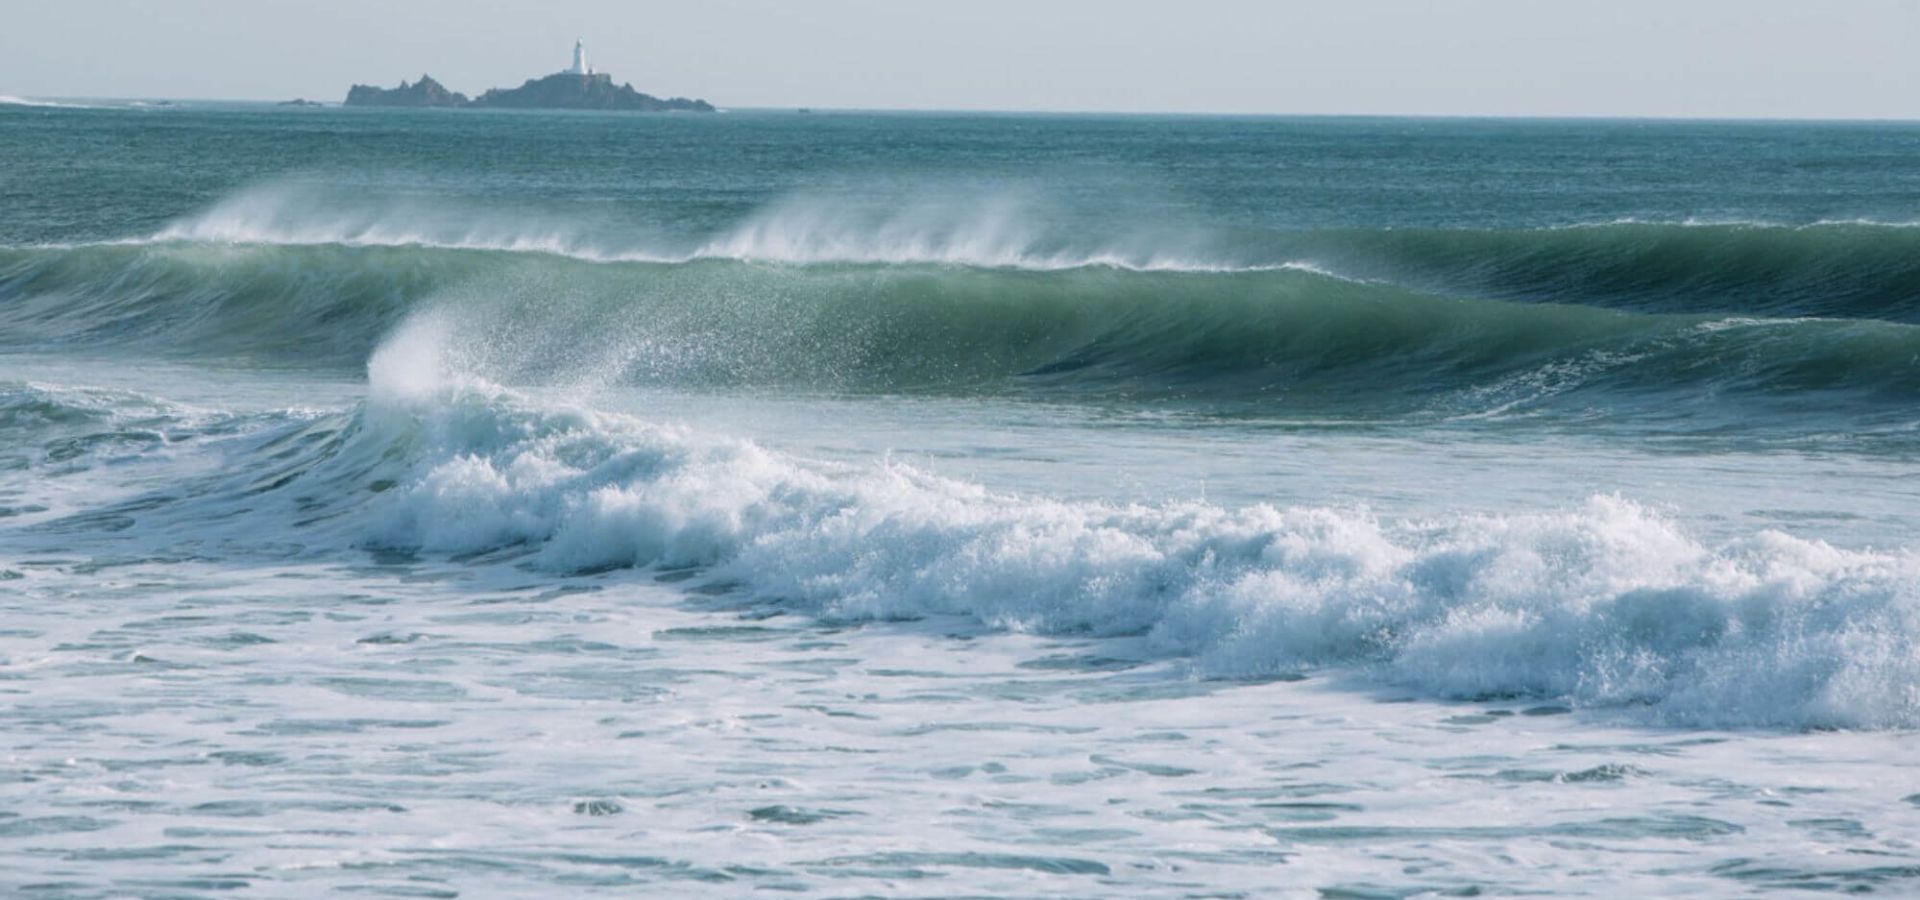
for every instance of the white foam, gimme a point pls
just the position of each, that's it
(1733, 223)
(1609, 604)
(8, 100)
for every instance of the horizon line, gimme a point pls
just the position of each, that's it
(1164, 113)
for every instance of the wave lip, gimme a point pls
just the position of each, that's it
(988, 232)
(1694, 329)
(994, 233)
(1826, 269)
(1291, 341)
(293, 216)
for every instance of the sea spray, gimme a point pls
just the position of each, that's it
(1006, 505)
(1291, 342)
(1840, 268)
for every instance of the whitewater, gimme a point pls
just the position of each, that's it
(1377, 508)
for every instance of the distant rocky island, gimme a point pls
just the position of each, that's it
(578, 87)
(425, 92)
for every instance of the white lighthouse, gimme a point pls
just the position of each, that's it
(580, 59)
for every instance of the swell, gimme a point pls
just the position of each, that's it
(1831, 269)
(1279, 341)
(1826, 269)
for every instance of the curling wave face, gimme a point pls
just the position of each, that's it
(1690, 327)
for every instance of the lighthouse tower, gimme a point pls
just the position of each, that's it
(580, 59)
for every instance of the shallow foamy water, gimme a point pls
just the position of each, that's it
(213, 684)
(422, 730)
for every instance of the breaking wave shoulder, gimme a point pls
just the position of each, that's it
(1608, 605)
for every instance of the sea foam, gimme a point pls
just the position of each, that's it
(1609, 604)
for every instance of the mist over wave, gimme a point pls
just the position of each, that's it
(1842, 268)
(1283, 341)
(1001, 296)
(986, 227)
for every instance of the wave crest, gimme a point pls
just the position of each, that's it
(991, 230)
(1290, 342)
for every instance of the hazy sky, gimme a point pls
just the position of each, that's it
(1761, 58)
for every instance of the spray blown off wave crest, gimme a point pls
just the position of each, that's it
(1256, 342)
(992, 230)
(1852, 269)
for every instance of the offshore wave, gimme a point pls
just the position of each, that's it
(1832, 269)
(1282, 341)
(1807, 329)
(1606, 606)
(1855, 268)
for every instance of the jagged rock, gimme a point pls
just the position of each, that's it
(301, 102)
(566, 90)
(425, 92)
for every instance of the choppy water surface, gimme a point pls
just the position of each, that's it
(918, 505)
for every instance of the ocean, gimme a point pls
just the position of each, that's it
(521, 504)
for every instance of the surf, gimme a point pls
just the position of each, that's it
(1608, 605)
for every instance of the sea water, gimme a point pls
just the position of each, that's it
(426, 503)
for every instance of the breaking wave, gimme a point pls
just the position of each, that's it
(997, 231)
(1281, 342)
(1608, 605)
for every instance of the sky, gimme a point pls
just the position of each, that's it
(1667, 58)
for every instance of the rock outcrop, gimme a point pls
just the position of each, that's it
(425, 92)
(566, 90)
(563, 90)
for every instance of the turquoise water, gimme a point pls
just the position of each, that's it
(430, 504)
